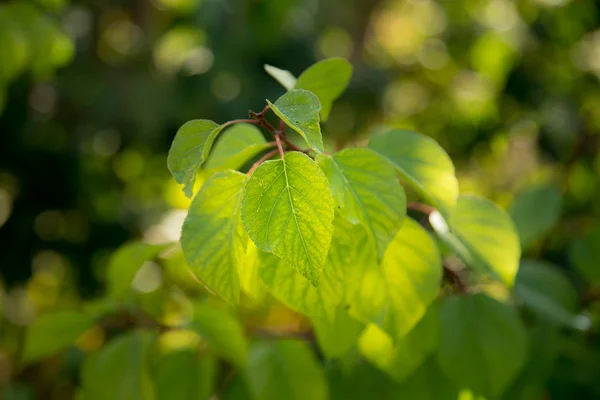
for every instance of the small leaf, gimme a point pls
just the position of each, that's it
(546, 291)
(396, 294)
(119, 370)
(400, 358)
(190, 149)
(222, 331)
(483, 344)
(327, 79)
(213, 239)
(366, 191)
(287, 210)
(183, 375)
(235, 147)
(54, 332)
(584, 253)
(285, 78)
(299, 109)
(423, 164)
(535, 211)
(337, 337)
(285, 369)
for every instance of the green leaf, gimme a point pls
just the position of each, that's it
(327, 79)
(299, 109)
(126, 262)
(423, 164)
(535, 211)
(483, 344)
(213, 239)
(287, 210)
(366, 191)
(285, 369)
(400, 358)
(285, 78)
(249, 273)
(190, 149)
(54, 332)
(545, 290)
(183, 375)
(396, 294)
(336, 337)
(484, 237)
(236, 147)
(222, 331)
(584, 253)
(428, 382)
(119, 370)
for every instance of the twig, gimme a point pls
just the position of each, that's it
(279, 146)
(238, 121)
(261, 160)
(420, 207)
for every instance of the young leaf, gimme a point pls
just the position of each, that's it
(236, 146)
(222, 331)
(396, 294)
(119, 370)
(53, 332)
(422, 163)
(299, 109)
(483, 344)
(337, 337)
(285, 78)
(190, 149)
(584, 253)
(366, 191)
(535, 211)
(400, 358)
(183, 375)
(285, 369)
(327, 79)
(545, 290)
(287, 210)
(213, 238)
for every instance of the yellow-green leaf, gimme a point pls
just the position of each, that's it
(235, 147)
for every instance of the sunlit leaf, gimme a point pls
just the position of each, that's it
(213, 238)
(327, 79)
(183, 375)
(545, 290)
(285, 369)
(235, 147)
(535, 211)
(299, 109)
(483, 344)
(336, 337)
(285, 78)
(53, 332)
(250, 280)
(396, 294)
(190, 149)
(422, 163)
(287, 209)
(366, 191)
(222, 331)
(584, 253)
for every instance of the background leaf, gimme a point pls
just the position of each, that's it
(282, 76)
(584, 253)
(337, 337)
(184, 375)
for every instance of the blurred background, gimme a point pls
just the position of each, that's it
(92, 93)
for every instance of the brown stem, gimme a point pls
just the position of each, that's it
(420, 207)
(261, 160)
(237, 121)
(279, 146)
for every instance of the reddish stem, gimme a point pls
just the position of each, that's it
(261, 160)
(279, 146)
(237, 121)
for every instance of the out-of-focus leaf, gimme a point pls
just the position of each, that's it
(285, 78)
(236, 146)
(183, 375)
(584, 253)
(336, 337)
(428, 382)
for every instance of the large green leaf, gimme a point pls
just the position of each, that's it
(428, 382)
(484, 237)
(183, 375)
(366, 191)
(327, 79)
(422, 163)
(584, 253)
(400, 358)
(299, 109)
(287, 210)
(236, 146)
(396, 294)
(285, 78)
(190, 149)
(483, 344)
(534, 211)
(53, 332)
(213, 238)
(125, 263)
(222, 331)
(336, 337)
(285, 369)
(545, 290)
(119, 370)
